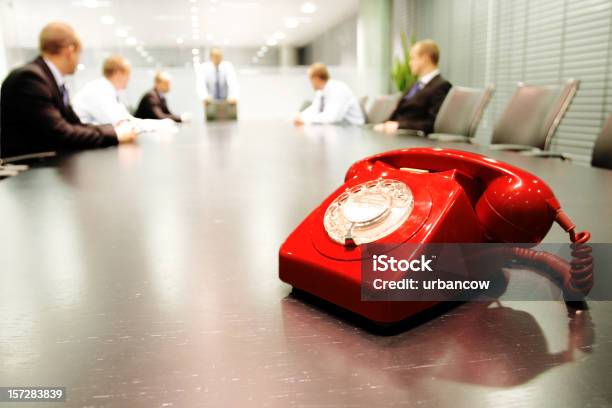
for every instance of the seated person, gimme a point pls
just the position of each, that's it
(98, 101)
(217, 80)
(334, 101)
(35, 106)
(153, 104)
(418, 107)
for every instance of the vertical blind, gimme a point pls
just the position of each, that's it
(541, 42)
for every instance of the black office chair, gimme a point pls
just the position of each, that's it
(460, 113)
(532, 117)
(602, 151)
(382, 108)
(220, 111)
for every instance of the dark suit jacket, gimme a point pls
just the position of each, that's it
(153, 106)
(419, 112)
(33, 117)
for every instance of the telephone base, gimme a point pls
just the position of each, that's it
(371, 326)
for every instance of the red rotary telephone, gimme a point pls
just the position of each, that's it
(420, 195)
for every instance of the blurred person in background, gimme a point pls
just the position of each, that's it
(98, 101)
(153, 104)
(334, 101)
(419, 106)
(35, 105)
(217, 79)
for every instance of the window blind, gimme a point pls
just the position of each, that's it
(534, 41)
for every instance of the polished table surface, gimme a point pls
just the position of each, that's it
(146, 276)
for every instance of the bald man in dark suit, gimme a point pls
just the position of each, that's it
(153, 104)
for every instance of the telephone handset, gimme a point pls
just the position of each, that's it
(511, 204)
(419, 195)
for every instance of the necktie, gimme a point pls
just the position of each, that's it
(217, 95)
(64, 94)
(322, 105)
(413, 90)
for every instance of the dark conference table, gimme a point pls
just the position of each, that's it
(146, 276)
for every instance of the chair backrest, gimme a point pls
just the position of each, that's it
(461, 110)
(533, 114)
(602, 151)
(382, 108)
(363, 102)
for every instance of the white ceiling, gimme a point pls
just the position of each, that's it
(155, 23)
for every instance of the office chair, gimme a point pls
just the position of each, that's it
(220, 111)
(382, 108)
(460, 114)
(532, 117)
(363, 102)
(602, 151)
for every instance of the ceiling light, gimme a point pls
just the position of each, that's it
(107, 20)
(291, 23)
(131, 41)
(195, 51)
(272, 42)
(241, 5)
(308, 8)
(194, 18)
(279, 35)
(179, 40)
(121, 32)
(81, 67)
(264, 48)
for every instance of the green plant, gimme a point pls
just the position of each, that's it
(400, 72)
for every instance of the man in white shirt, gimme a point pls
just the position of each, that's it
(334, 101)
(217, 79)
(98, 101)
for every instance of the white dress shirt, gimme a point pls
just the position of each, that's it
(98, 103)
(207, 78)
(335, 103)
(57, 75)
